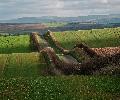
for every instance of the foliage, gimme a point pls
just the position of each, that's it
(15, 44)
(61, 88)
(93, 38)
(20, 72)
(21, 64)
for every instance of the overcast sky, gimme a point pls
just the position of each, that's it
(10, 9)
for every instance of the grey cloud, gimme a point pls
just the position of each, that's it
(27, 8)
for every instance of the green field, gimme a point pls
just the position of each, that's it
(15, 44)
(21, 64)
(61, 88)
(23, 74)
(93, 38)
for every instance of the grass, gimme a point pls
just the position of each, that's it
(3, 60)
(61, 88)
(21, 73)
(93, 38)
(21, 64)
(15, 44)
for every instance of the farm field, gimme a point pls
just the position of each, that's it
(55, 24)
(21, 64)
(96, 38)
(15, 44)
(28, 75)
(61, 87)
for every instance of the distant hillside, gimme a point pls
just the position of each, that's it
(101, 19)
(10, 27)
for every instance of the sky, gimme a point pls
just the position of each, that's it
(10, 9)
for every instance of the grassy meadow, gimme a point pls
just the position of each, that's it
(95, 38)
(15, 44)
(21, 64)
(22, 72)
